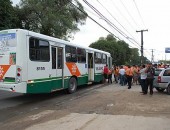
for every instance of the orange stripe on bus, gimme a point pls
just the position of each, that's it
(73, 69)
(3, 70)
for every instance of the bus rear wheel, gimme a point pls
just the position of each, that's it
(72, 86)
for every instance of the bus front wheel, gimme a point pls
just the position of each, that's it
(72, 86)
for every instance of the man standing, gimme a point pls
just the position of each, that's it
(105, 72)
(150, 77)
(129, 75)
(122, 75)
(143, 76)
(116, 74)
(110, 76)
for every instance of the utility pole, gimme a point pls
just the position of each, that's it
(152, 58)
(142, 44)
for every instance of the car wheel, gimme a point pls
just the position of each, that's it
(168, 89)
(72, 86)
(160, 89)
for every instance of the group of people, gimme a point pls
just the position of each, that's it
(128, 75)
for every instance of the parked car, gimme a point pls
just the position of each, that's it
(163, 81)
(155, 82)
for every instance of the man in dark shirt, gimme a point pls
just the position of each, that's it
(150, 77)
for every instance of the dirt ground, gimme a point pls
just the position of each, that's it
(112, 99)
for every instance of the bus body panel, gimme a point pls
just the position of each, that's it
(8, 45)
(98, 72)
(26, 75)
(21, 55)
(83, 78)
(11, 42)
(40, 78)
(78, 70)
(10, 74)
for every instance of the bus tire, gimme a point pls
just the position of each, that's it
(72, 85)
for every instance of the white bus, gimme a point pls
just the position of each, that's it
(34, 63)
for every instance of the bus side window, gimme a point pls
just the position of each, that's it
(98, 57)
(81, 55)
(39, 50)
(104, 59)
(71, 54)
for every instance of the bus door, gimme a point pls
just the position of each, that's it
(109, 61)
(57, 68)
(90, 67)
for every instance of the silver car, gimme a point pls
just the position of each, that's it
(163, 81)
(155, 82)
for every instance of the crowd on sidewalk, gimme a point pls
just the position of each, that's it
(127, 75)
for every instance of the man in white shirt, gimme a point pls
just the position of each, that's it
(122, 76)
(143, 76)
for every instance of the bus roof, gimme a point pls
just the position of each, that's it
(53, 39)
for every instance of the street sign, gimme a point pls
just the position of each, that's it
(167, 50)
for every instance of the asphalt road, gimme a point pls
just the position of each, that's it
(16, 104)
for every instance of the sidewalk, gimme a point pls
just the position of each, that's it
(79, 121)
(76, 121)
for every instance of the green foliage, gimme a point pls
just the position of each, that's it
(134, 57)
(58, 18)
(8, 16)
(120, 51)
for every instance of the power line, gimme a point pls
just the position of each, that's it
(128, 13)
(117, 21)
(104, 18)
(93, 19)
(122, 14)
(107, 21)
(110, 23)
(139, 13)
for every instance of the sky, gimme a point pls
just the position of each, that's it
(129, 16)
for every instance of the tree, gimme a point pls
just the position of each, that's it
(134, 57)
(58, 18)
(8, 16)
(124, 51)
(120, 51)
